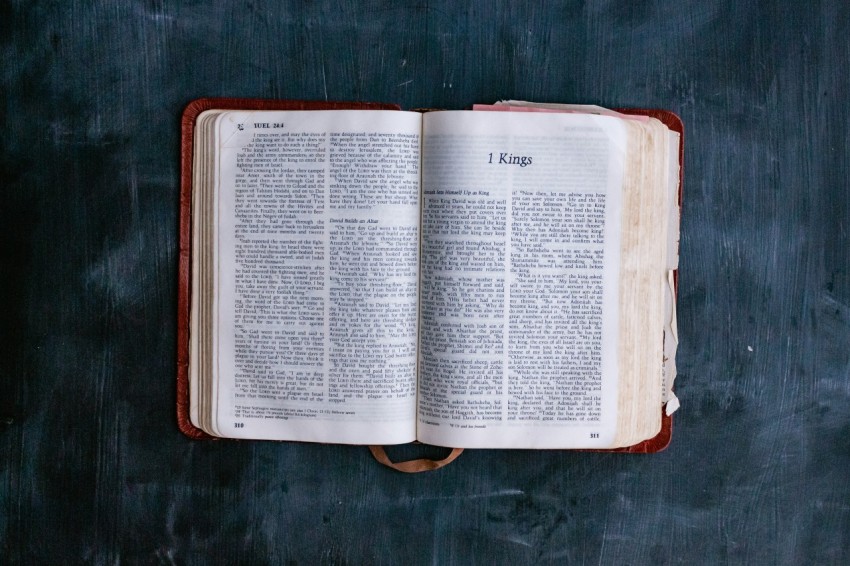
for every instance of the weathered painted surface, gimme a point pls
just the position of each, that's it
(92, 467)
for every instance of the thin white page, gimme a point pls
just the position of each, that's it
(318, 216)
(519, 280)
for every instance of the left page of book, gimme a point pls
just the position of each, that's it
(315, 276)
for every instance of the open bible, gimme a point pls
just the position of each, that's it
(495, 278)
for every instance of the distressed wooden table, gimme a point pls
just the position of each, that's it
(92, 466)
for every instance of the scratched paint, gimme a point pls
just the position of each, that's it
(93, 467)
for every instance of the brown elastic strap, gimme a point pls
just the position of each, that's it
(413, 466)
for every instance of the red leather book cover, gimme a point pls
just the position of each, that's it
(190, 115)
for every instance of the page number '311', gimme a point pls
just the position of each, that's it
(594, 435)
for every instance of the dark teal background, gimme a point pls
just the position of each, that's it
(92, 466)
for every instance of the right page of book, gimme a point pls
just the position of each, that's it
(521, 245)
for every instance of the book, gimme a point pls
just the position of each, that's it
(502, 277)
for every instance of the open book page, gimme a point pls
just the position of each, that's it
(519, 279)
(671, 206)
(315, 282)
(643, 278)
(205, 163)
(199, 180)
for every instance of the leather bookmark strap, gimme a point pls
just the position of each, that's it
(413, 466)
